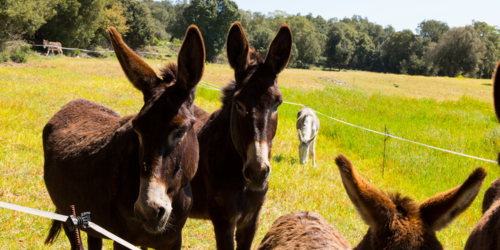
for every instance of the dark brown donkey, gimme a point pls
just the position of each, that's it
(396, 222)
(236, 140)
(132, 173)
(486, 233)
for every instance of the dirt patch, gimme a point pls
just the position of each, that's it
(335, 81)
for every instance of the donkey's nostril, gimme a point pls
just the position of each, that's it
(268, 170)
(161, 213)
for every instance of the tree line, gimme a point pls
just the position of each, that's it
(348, 43)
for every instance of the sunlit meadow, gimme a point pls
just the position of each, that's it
(450, 113)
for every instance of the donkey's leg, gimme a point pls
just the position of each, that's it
(312, 152)
(94, 243)
(71, 237)
(177, 245)
(245, 233)
(223, 228)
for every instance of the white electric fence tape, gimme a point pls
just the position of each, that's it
(63, 218)
(206, 85)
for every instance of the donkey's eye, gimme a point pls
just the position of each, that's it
(179, 134)
(275, 109)
(239, 107)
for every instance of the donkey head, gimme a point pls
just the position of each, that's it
(397, 222)
(255, 99)
(168, 154)
(45, 42)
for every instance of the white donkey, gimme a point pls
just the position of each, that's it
(308, 128)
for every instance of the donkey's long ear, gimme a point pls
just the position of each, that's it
(237, 48)
(280, 50)
(496, 90)
(441, 209)
(137, 71)
(373, 206)
(191, 59)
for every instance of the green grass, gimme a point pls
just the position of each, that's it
(454, 114)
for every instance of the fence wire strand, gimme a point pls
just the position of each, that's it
(103, 51)
(63, 218)
(374, 131)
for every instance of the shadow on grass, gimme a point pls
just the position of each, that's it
(487, 84)
(280, 158)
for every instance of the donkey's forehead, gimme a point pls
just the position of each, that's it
(259, 93)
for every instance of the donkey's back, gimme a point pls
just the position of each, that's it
(79, 129)
(78, 147)
(303, 230)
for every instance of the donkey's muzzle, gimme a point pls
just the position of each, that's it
(153, 207)
(256, 168)
(257, 177)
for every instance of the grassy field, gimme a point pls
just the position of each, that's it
(450, 113)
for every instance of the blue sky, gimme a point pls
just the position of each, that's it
(400, 14)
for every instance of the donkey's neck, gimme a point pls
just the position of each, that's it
(217, 131)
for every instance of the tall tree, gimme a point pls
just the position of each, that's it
(308, 40)
(261, 38)
(177, 22)
(432, 29)
(490, 38)
(339, 45)
(459, 51)
(213, 18)
(396, 49)
(160, 11)
(142, 29)
(75, 23)
(114, 15)
(23, 17)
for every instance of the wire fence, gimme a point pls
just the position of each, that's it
(105, 51)
(207, 85)
(63, 218)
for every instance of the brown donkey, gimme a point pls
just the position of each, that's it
(132, 173)
(395, 222)
(235, 141)
(486, 233)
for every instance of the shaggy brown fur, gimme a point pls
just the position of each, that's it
(97, 160)
(231, 182)
(486, 233)
(396, 222)
(313, 231)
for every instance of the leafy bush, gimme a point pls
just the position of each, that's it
(19, 56)
(4, 57)
(76, 53)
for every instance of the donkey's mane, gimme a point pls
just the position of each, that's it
(169, 72)
(404, 204)
(231, 88)
(255, 58)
